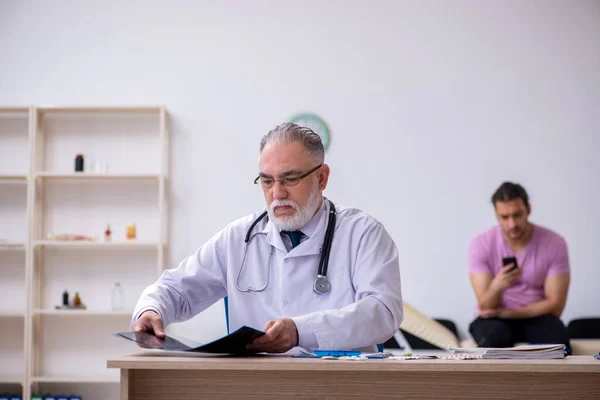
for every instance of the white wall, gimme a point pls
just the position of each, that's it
(431, 104)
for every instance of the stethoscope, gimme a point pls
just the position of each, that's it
(322, 284)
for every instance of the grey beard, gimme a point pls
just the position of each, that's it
(300, 218)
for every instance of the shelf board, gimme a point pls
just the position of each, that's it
(11, 314)
(73, 379)
(7, 379)
(100, 109)
(88, 244)
(13, 178)
(14, 109)
(79, 313)
(95, 176)
(6, 246)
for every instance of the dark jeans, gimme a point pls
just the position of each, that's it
(496, 332)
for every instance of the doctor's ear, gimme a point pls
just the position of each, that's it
(324, 176)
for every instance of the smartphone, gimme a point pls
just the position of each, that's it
(510, 260)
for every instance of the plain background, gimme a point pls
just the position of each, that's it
(431, 105)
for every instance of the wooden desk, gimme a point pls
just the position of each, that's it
(277, 377)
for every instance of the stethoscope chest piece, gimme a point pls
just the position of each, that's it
(322, 285)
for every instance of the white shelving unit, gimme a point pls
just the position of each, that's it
(96, 245)
(11, 314)
(14, 241)
(72, 379)
(107, 176)
(11, 380)
(12, 246)
(51, 347)
(81, 313)
(13, 177)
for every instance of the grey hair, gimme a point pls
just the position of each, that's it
(291, 132)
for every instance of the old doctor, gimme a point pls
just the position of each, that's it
(311, 273)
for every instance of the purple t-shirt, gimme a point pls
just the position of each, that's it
(546, 254)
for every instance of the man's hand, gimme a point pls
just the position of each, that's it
(506, 278)
(506, 314)
(150, 322)
(488, 313)
(280, 336)
(488, 288)
(498, 313)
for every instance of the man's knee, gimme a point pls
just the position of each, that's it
(491, 332)
(551, 321)
(548, 329)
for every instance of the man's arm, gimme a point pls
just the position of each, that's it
(556, 285)
(488, 288)
(377, 311)
(480, 275)
(556, 288)
(181, 293)
(487, 298)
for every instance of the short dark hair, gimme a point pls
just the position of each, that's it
(510, 191)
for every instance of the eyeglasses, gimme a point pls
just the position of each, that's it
(267, 183)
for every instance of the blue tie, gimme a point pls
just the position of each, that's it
(294, 237)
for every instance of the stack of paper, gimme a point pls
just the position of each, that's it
(529, 351)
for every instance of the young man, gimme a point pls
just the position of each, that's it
(282, 271)
(522, 301)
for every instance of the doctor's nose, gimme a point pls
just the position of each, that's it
(279, 191)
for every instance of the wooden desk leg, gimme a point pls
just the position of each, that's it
(125, 384)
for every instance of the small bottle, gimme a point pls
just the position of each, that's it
(65, 299)
(131, 232)
(79, 163)
(88, 166)
(77, 300)
(107, 234)
(118, 297)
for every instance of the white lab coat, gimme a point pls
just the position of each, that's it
(363, 308)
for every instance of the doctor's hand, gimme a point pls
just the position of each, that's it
(280, 336)
(150, 322)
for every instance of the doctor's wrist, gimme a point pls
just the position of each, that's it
(306, 335)
(146, 311)
(296, 335)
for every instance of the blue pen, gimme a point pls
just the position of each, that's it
(336, 353)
